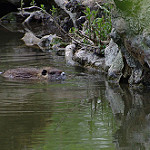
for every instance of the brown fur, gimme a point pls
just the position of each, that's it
(34, 73)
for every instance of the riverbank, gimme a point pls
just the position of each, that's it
(88, 34)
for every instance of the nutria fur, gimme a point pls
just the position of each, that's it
(34, 73)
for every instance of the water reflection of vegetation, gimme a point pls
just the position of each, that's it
(64, 115)
(85, 124)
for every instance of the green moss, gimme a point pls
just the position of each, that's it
(136, 13)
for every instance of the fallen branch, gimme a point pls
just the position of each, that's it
(60, 28)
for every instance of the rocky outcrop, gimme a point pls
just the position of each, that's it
(127, 57)
(131, 34)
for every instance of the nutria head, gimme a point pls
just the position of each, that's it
(53, 74)
(34, 73)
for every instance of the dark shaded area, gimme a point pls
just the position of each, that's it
(131, 108)
(6, 7)
(20, 129)
(47, 4)
(8, 36)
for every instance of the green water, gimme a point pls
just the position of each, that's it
(72, 114)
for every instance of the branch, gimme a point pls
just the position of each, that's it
(85, 36)
(60, 28)
(101, 7)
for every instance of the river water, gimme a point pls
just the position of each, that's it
(83, 112)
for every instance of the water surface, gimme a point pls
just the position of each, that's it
(51, 115)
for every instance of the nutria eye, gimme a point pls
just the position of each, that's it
(44, 72)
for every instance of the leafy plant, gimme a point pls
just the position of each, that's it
(90, 15)
(33, 3)
(22, 3)
(97, 29)
(42, 6)
(53, 10)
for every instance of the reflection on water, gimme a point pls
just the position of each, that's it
(83, 112)
(73, 114)
(131, 109)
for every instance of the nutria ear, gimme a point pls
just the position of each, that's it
(44, 72)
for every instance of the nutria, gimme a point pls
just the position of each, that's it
(34, 73)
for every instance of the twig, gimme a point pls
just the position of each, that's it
(101, 7)
(85, 36)
(61, 29)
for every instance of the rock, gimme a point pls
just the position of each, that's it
(115, 71)
(114, 62)
(40, 23)
(46, 41)
(111, 52)
(131, 33)
(30, 39)
(69, 52)
(73, 8)
(136, 76)
(87, 58)
(120, 25)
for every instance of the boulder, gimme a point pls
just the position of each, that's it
(89, 59)
(132, 35)
(43, 43)
(69, 52)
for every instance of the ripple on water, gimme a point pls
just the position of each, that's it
(51, 115)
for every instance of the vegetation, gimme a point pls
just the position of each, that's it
(97, 28)
(33, 3)
(95, 31)
(53, 10)
(21, 5)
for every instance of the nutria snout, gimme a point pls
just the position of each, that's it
(35, 73)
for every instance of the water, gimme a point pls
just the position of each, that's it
(42, 115)
(83, 112)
